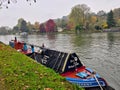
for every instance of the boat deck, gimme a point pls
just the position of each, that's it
(72, 74)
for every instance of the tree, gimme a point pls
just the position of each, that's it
(118, 22)
(79, 14)
(76, 15)
(101, 13)
(110, 19)
(104, 25)
(30, 26)
(97, 27)
(58, 22)
(36, 25)
(23, 26)
(19, 22)
(42, 28)
(117, 16)
(5, 30)
(70, 25)
(93, 19)
(15, 29)
(62, 22)
(78, 27)
(101, 17)
(50, 26)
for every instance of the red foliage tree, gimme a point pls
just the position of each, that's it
(50, 26)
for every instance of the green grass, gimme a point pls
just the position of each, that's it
(19, 72)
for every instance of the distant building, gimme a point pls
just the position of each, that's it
(59, 29)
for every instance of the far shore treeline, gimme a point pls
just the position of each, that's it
(80, 18)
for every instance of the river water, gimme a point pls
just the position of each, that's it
(99, 51)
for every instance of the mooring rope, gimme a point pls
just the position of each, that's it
(98, 82)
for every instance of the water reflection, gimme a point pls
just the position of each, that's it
(81, 40)
(51, 36)
(110, 37)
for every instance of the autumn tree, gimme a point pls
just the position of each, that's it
(101, 22)
(75, 16)
(50, 26)
(36, 25)
(104, 25)
(118, 22)
(30, 26)
(79, 14)
(70, 25)
(93, 19)
(110, 19)
(117, 16)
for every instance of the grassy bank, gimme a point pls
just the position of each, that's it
(19, 72)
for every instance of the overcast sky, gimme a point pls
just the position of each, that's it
(49, 9)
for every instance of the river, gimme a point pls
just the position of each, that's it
(99, 51)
